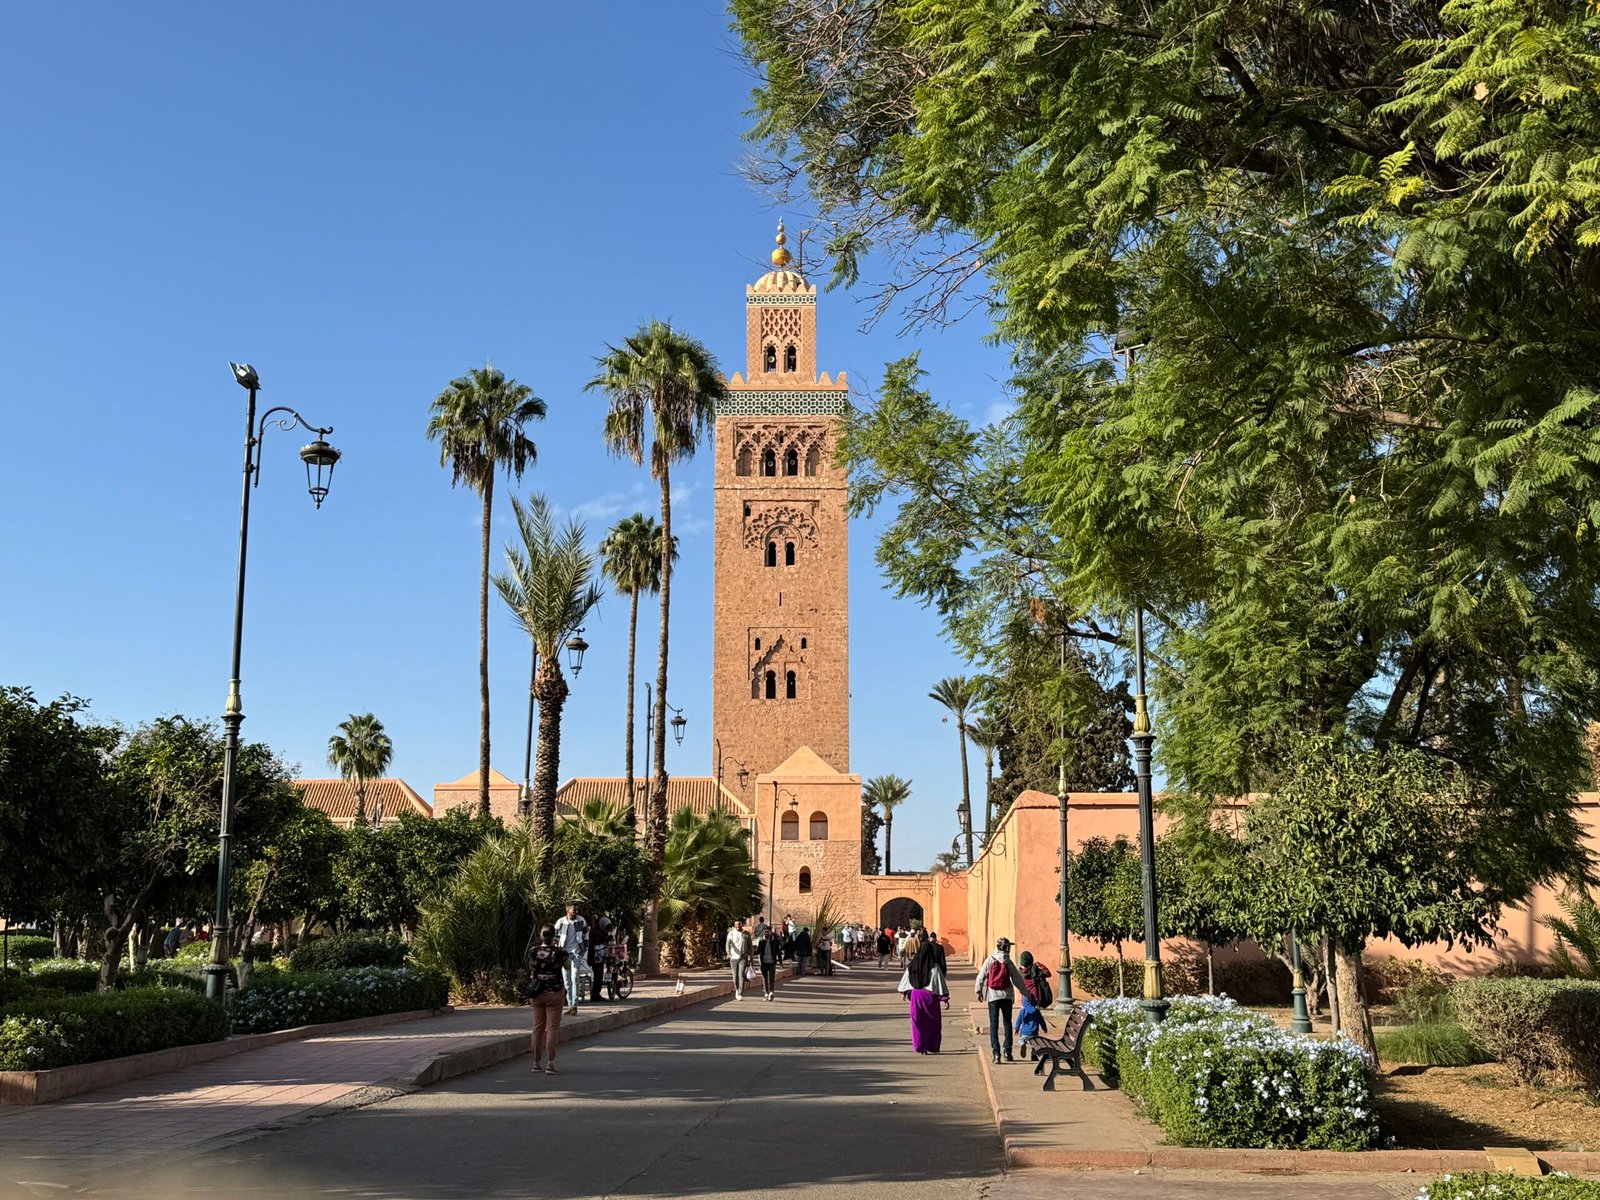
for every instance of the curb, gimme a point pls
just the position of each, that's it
(57, 1083)
(1319, 1162)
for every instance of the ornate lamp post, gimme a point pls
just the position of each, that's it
(1155, 1003)
(772, 858)
(1301, 1021)
(723, 760)
(320, 459)
(1064, 998)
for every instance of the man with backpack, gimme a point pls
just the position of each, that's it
(998, 978)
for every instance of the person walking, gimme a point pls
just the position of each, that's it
(998, 978)
(599, 946)
(802, 950)
(926, 990)
(572, 932)
(738, 947)
(769, 953)
(824, 952)
(1036, 982)
(546, 967)
(884, 947)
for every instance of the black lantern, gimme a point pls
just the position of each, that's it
(320, 459)
(677, 723)
(575, 648)
(744, 777)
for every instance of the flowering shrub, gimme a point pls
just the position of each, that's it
(1110, 1017)
(285, 1000)
(62, 1031)
(1482, 1185)
(1547, 1030)
(65, 975)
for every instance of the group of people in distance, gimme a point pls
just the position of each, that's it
(926, 987)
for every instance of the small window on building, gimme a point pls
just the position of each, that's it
(788, 554)
(819, 827)
(805, 878)
(758, 643)
(791, 827)
(772, 554)
(789, 357)
(788, 685)
(802, 644)
(772, 685)
(769, 361)
(791, 462)
(769, 462)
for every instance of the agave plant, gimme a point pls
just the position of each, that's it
(1577, 952)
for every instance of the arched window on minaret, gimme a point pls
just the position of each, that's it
(789, 685)
(769, 461)
(772, 685)
(789, 359)
(772, 554)
(769, 358)
(791, 461)
(788, 554)
(813, 459)
(742, 463)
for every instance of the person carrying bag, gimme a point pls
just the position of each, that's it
(547, 993)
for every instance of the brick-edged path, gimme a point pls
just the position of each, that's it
(222, 1100)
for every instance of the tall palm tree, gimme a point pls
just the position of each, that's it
(360, 751)
(887, 792)
(631, 559)
(478, 422)
(958, 693)
(549, 585)
(662, 386)
(985, 733)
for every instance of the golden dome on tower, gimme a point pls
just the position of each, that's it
(780, 278)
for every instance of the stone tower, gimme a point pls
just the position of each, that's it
(780, 622)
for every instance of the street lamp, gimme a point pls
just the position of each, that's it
(1300, 1022)
(575, 650)
(678, 723)
(1155, 1003)
(772, 858)
(743, 774)
(320, 459)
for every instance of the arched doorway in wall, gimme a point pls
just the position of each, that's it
(898, 913)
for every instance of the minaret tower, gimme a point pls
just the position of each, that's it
(780, 623)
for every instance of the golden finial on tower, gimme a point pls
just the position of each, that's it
(781, 257)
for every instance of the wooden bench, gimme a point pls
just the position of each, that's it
(1067, 1048)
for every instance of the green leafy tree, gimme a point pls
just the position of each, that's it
(430, 850)
(957, 694)
(708, 880)
(549, 586)
(360, 751)
(631, 558)
(478, 422)
(1104, 898)
(371, 889)
(599, 849)
(290, 876)
(887, 793)
(662, 387)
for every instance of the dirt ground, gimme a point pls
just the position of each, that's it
(1451, 1108)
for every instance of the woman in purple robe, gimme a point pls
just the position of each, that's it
(926, 991)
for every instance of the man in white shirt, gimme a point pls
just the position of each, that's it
(572, 935)
(738, 947)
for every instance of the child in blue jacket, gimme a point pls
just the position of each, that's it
(1030, 1022)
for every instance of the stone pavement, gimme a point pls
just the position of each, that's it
(72, 1141)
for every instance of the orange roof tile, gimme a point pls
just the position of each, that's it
(337, 798)
(698, 794)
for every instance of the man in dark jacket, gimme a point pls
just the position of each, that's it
(802, 950)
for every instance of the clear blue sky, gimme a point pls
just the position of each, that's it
(364, 200)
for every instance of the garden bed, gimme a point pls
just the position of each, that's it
(1472, 1107)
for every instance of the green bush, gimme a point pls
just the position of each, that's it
(1429, 1044)
(1546, 1030)
(29, 947)
(290, 999)
(1484, 1185)
(344, 950)
(1108, 1019)
(62, 1031)
(1255, 980)
(70, 975)
(1096, 976)
(1418, 990)
(194, 952)
(1237, 1080)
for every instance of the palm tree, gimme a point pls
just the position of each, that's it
(360, 751)
(706, 879)
(605, 819)
(887, 792)
(958, 693)
(478, 422)
(549, 586)
(663, 386)
(986, 733)
(631, 558)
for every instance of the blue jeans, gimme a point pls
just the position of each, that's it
(1000, 1018)
(570, 974)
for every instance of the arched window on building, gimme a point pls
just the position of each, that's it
(769, 359)
(789, 359)
(819, 826)
(742, 463)
(769, 461)
(788, 554)
(791, 462)
(788, 685)
(772, 554)
(772, 685)
(813, 460)
(791, 827)
(802, 644)
(805, 879)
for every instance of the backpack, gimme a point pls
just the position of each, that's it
(1042, 995)
(997, 978)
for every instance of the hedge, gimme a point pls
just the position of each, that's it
(1098, 976)
(1213, 1074)
(1546, 1030)
(285, 1000)
(29, 947)
(1484, 1185)
(62, 1031)
(349, 950)
(1110, 1017)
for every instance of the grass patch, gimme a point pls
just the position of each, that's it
(1429, 1044)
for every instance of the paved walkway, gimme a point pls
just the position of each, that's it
(73, 1140)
